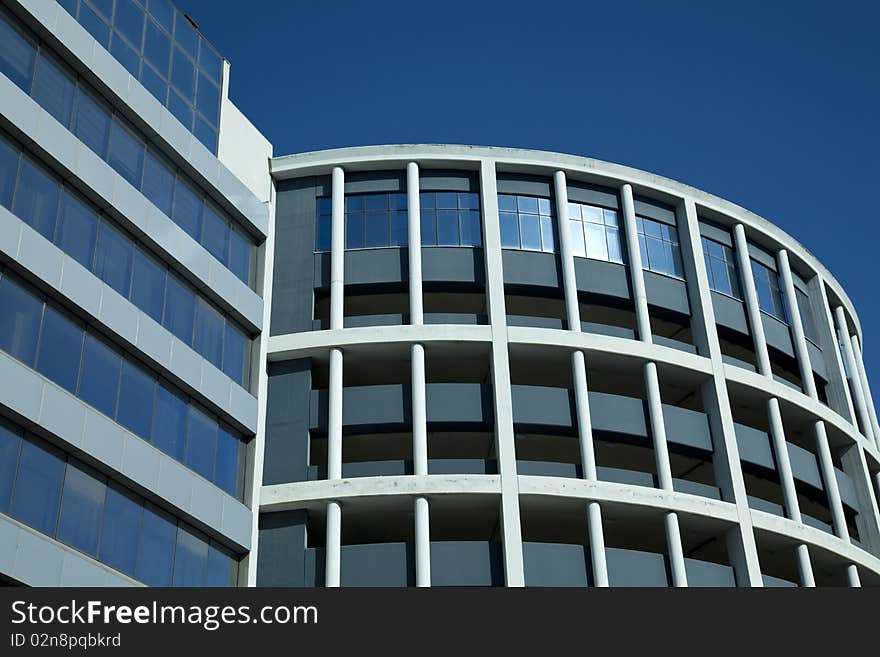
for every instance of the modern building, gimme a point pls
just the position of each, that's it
(393, 365)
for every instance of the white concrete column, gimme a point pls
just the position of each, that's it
(423, 543)
(783, 461)
(415, 243)
(852, 576)
(858, 394)
(676, 554)
(805, 566)
(839, 396)
(797, 327)
(505, 445)
(333, 549)
(753, 309)
(637, 276)
(569, 278)
(826, 467)
(869, 398)
(597, 545)
(337, 249)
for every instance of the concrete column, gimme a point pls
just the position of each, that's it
(337, 249)
(839, 396)
(597, 545)
(852, 576)
(504, 438)
(423, 543)
(415, 243)
(783, 462)
(333, 550)
(826, 467)
(805, 567)
(866, 388)
(753, 309)
(634, 254)
(728, 470)
(569, 278)
(797, 327)
(858, 394)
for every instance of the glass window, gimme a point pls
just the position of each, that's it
(187, 211)
(210, 62)
(526, 223)
(428, 227)
(10, 446)
(594, 232)
(530, 231)
(186, 35)
(113, 259)
(37, 491)
(105, 7)
(169, 427)
(61, 345)
(180, 108)
(129, 20)
(36, 198)
(126, 153)
(19, 321)
(215, 233)
(222, 567)
(324, 235)
(17, 56)
(77, 230)
(9, 156)
(148, 285)
(447, 226)
(163, 12)
(154, 83)
(769, 292)
(659, 245)
(190, 558)
(234, 353)
(201, 443)
(399, 228)
(228, 469)
(158, 183)
(183, 74)
(721, 268)
(471, 233)
(376, 229)
(156, 547)
(509, 230)
(157, 48)
(527, 204)
(95, 25)
(209, 333)
(82, 506)
(91, 122)
(180, 308)
(506, 203)
(240, 250)
(137, 389)
(208, 99)
(354, 231)
(125, 54)
(120, 530)
(53, 89)
(577, 238)
(548, 242)
(806, 312)
(595, 240)
(99, 380)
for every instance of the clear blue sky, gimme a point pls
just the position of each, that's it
(772, 105)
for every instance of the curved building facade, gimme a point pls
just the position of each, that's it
(491, 366)
(395, 365)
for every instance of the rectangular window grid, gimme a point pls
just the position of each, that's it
(658, 243)
(595, 232)
(527, 223)
(721, 268)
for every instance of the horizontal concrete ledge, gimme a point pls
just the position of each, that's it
(395, 156)
(788, 395)
(62, 30)
(308, 343)
(614, 493)
(284, 497)
(37, 560)
(815, 538)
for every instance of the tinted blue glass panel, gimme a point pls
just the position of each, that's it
(180, 308)
(447, 226)
(82, 506)
(547, 241)
(10, 445)
(36, 199)
(544, 206)
(91, 122)
(447, 200)
(113, 259)
(61, 345)
(657, 255)
(126, 153)
(8, 172)
(615, 251)
(190, 558)
(129, 20)
(222, 567)
(70, 6)
(240, 250)
(183, 73)
(137, 391)
(509, 230)
(169, 427)
(105, 7)
(94, 24)
(209, 333)
(354, 231)
(208, 99)
(201, 443)
(506, 203)
(120, 530)
(163, 12)
(234, 348)
(427, 200)
(205, 133)
(157, 48)
(147, 285)
(154, 83)
(468, 201)
(99, 380)
(19, 321)
(210, 62)
(53, 89)
(429, 227)
(186, 35)
(376, 230)
(470, 228)
(215, 233)
(156, 547)
(576, 229)
(527, 204)
(399, 230)
(124, 54)
(597, 247)
(77, 230)
(530, 231)
(158, 183)
(354, 203)
(180, 108)
(17, 56)
(187, 212)
(228, 454)
(323, 237)
(37, 491)
(375, 202)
